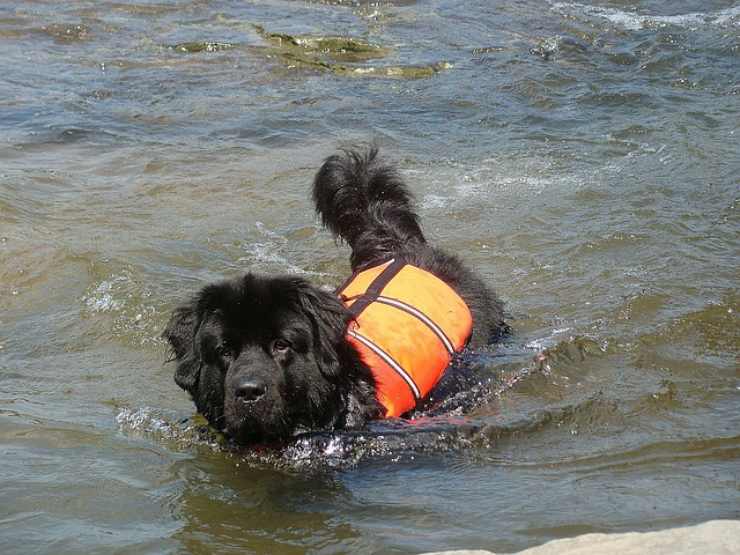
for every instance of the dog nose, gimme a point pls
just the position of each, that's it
(250, 390)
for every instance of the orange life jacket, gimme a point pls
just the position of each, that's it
(407, 325)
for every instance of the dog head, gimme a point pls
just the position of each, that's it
(264, 358)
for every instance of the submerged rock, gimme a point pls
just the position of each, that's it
(548, 47)
(396, 71)
(403, 72)
(205, 46)
(337, 48)
(64, 32)
(326, 52)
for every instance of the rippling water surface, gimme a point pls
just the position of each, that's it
(582, 155)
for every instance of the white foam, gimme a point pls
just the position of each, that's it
(144, 420)
(101, 299)
(269, 233)
(634, 21)
(268, 253)
(465, 185)
(551, 340)
(434, 201)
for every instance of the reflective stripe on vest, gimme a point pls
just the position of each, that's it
(407, 325)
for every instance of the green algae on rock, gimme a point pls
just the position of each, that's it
(395, 71)
(201, 46)
(324, 53)
(402, 72)
(64, 32)
(337, 48)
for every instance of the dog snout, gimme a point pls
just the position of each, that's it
(250, 390)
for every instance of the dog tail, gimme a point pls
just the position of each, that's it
(365, 203)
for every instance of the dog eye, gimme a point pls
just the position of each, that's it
(224, 350)
(280, 346)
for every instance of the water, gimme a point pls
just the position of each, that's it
(583, 156)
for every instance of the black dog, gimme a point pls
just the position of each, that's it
(266, 357)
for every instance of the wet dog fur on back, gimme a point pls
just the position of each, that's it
(266, 357)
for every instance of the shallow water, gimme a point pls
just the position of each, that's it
(583, 156)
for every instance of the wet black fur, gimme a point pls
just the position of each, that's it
(288, 337)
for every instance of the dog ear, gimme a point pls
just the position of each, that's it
(180, 333)
(329, 320)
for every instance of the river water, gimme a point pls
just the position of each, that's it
(583, 156)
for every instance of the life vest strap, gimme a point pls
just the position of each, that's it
(376, 287)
